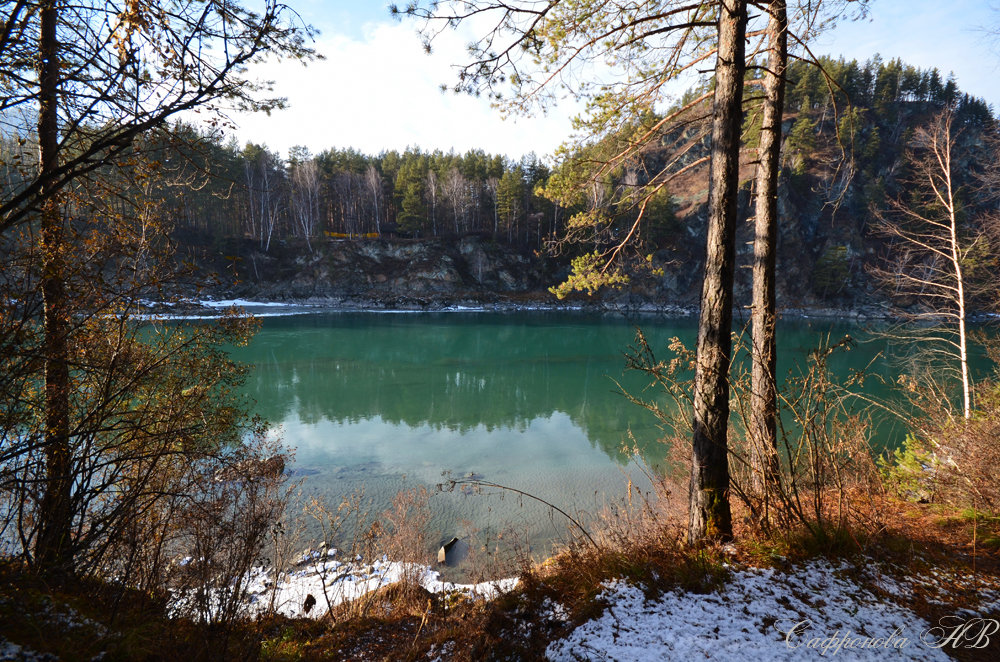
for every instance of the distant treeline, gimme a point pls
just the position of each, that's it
(252, 192)
(878, 86)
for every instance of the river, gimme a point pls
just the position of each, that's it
(387, 401)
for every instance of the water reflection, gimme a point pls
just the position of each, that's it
(385, 402)
(463, 374)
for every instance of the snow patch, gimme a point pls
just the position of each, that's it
(242, 303)
(811, 612)
(11, 651)
(331, 582)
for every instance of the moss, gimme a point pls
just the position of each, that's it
(718, 520)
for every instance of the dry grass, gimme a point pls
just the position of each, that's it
(519, 626)
(644, 545)
(949, 459)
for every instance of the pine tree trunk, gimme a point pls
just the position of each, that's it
(710, 517)
(52, 551)
(763, 398)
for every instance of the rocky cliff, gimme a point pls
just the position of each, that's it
(385, 270)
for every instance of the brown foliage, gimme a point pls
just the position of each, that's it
(949, 459)
(163, 456)
(823, 450)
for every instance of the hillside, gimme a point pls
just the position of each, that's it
(432, 229)
(845, 156)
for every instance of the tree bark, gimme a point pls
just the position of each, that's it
(763, 391)
(710, 517)
(52, 545)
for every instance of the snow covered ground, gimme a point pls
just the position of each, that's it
(13, 652)
(331, 582)
(215, 308)
(812, 611)
(815, 611)
(242, 303)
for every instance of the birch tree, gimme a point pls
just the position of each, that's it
(264, 181)
(456, 191)
(305, 198)
(492, 186)
(120, 70)
(929, 250)
(374, 182)
(432, 194)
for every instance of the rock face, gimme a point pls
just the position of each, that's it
(390, 269)
(474, 270)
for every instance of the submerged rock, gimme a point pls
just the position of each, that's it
(453, 552)
(252, 469)
(296, 472)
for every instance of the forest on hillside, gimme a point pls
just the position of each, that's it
(847, 128)
(252, 193)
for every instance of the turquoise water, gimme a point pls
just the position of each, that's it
(386, 402)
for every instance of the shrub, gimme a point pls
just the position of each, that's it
(827, 473)
(950, 459)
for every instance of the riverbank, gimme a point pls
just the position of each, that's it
(265, 307)
(473, 272)
(925, 588)
(855, 608)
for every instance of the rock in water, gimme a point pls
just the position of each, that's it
(273, 466)
(445, 548)
(251, 469)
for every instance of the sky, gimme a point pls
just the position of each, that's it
(377, 90)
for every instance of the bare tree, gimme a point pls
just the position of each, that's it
(492, 184)
(91, 78)
(432, 193)
(121, 71)
(456, 191)
(305, 198)
(265, 191)
(374, 181)
(929, 248)
(347, 188)
(145, 404)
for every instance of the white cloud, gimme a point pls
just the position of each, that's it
(377, 90)
(383, 92)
